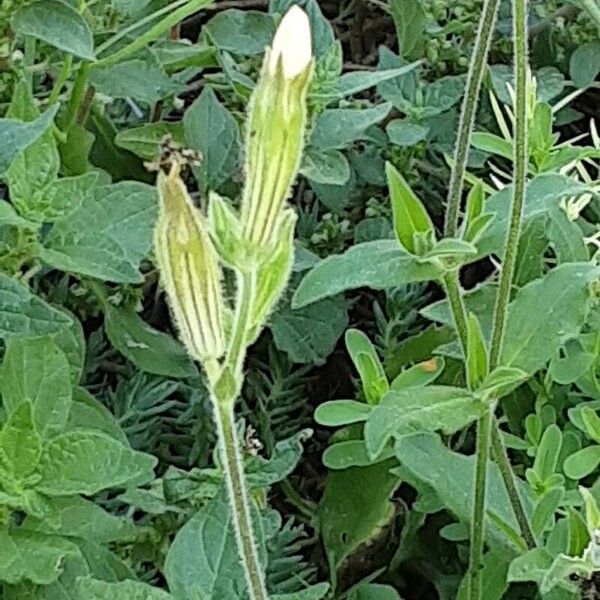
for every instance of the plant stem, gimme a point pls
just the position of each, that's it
(503, 462)
(468, 113)
(459, 314)
(76, 97)
(240, 504)
(65, 72)
(224, 393)
(153, 33)
(521, 157)
(484, 430)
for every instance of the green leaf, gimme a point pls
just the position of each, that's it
(410, 20)
(360, 266)
(543, 194)
(108, 235)
(404, 133)
(314, 592)
(355, 506)
(547, 453)
(328, 167)
(89, 413)
(35, 370)
(9, 216)
(431, 408)
(216, 571)
(147, 348)
(85, 462)
(35, 169)
(143, 80)
(245, 32)
(419, 375)
(71, 341)
(493, 574)
(94, 589)
(23, 314)
(431, 465)
(367, 363)
(309, 334)
(341, 412)
(584, 65)
(489, 142)
(145, 141)
(339, 127)
(374, 591)
(410, 217)
(359, 81)
(545, 509)
(560, 570)
(582, 463)
(19, 442)
(477, 356)
(532, 335)
(26, 556)
(58, 24)
(351, 453)
(211, 130)
(77, 517)
(17, 135)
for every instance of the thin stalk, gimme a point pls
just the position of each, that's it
(521, 157)
(111, 41)
(459, 314)
(154, 32)
(77, 96)
(484, 432)
(63, 76)
(240, 503)
(224, 401)
(503, 462)
(29, 59)
(468, 113)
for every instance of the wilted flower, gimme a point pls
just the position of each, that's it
(189, 269)
(276, 128)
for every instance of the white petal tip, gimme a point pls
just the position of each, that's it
(292, 43)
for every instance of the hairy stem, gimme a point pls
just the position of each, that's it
(224, 393)
(459, 314)
(503, 462)
(468, 112)
(240, 503)
(521, 157)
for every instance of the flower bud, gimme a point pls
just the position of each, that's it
(292, 44)
(276, 128)
(189, 269)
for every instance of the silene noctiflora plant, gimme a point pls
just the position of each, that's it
(256, 243)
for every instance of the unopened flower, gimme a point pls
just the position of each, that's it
(292, 44)
(276, 128)
(189, 269)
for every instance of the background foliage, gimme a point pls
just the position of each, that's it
(109, 484)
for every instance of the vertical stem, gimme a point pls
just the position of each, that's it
(508, 477)
(468, 112)
(77, 96)
(29, 59)
(240, 504)
(484, 430)
(521, 157)
(224, 394)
